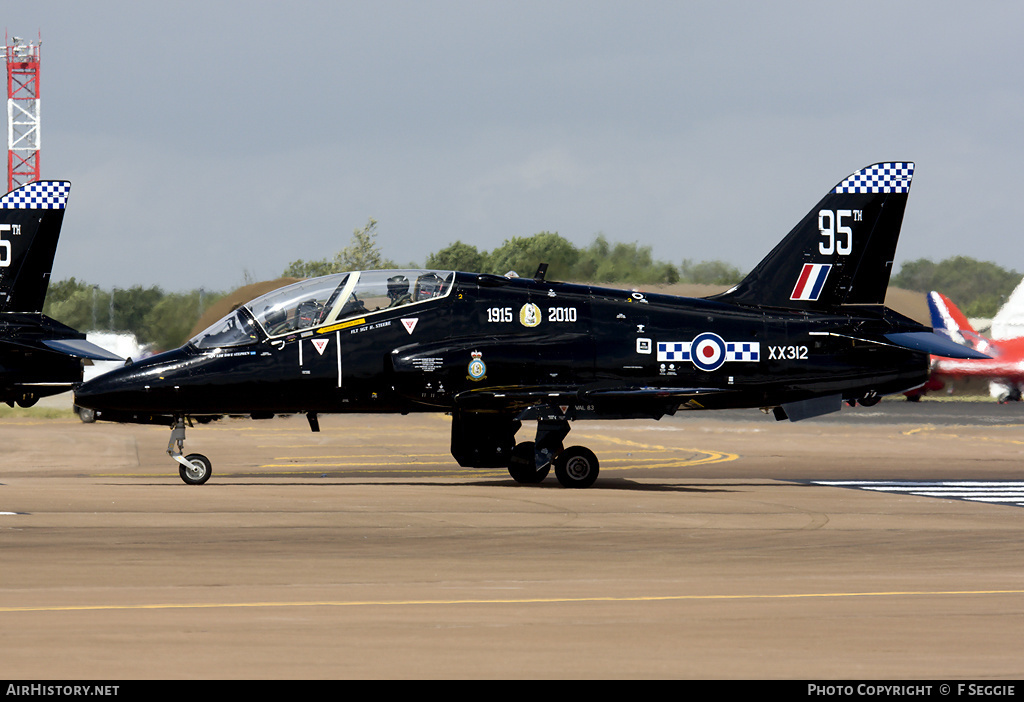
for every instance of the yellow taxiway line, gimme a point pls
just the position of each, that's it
(503, 601)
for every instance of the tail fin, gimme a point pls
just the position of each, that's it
(1009, 320)
(841, 252)
(948, 320)
(30, 221)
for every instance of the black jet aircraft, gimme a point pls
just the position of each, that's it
(38, 355)
(805, 331)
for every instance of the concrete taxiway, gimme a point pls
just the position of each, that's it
(705, 550)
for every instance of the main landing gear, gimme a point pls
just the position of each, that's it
(487, 440)
(531, 461)
(195, 468)
(575, 467)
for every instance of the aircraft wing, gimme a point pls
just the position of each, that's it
(541, 393)
(629, 400)
(652, 392)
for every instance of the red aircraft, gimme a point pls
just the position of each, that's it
(1004, 369)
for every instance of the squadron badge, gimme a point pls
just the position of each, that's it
(529, 315)
(476, 369)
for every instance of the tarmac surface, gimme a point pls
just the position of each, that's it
(712, 546)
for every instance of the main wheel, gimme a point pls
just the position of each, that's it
(199, 470)
(523, 467)
(576, 467)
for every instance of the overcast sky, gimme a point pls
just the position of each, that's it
(207, 142)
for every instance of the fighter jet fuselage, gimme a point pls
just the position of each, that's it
(491, 343)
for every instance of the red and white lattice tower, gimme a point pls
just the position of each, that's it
(22, 112)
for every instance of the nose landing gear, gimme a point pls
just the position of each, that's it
(195, 468)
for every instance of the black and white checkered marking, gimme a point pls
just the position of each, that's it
(42, 195)
(879, 178)
(1009, 493)
(708, 351)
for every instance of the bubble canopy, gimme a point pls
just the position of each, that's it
(321, 301)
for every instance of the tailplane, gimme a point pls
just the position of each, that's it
(841, 252)
(30, 221)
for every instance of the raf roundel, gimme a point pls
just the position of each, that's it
(708, 351)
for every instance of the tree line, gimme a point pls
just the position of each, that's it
(600, 262)
(164, 320)
(978, 288)
(161, 319)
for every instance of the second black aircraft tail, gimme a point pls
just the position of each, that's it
(30, 221)
(841, 252)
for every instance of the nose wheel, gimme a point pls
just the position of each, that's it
(195, 468)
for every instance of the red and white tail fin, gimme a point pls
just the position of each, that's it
(948, 320)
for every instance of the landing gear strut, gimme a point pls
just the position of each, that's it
(195, 468)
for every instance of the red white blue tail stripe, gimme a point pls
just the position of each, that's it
(811, 281)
